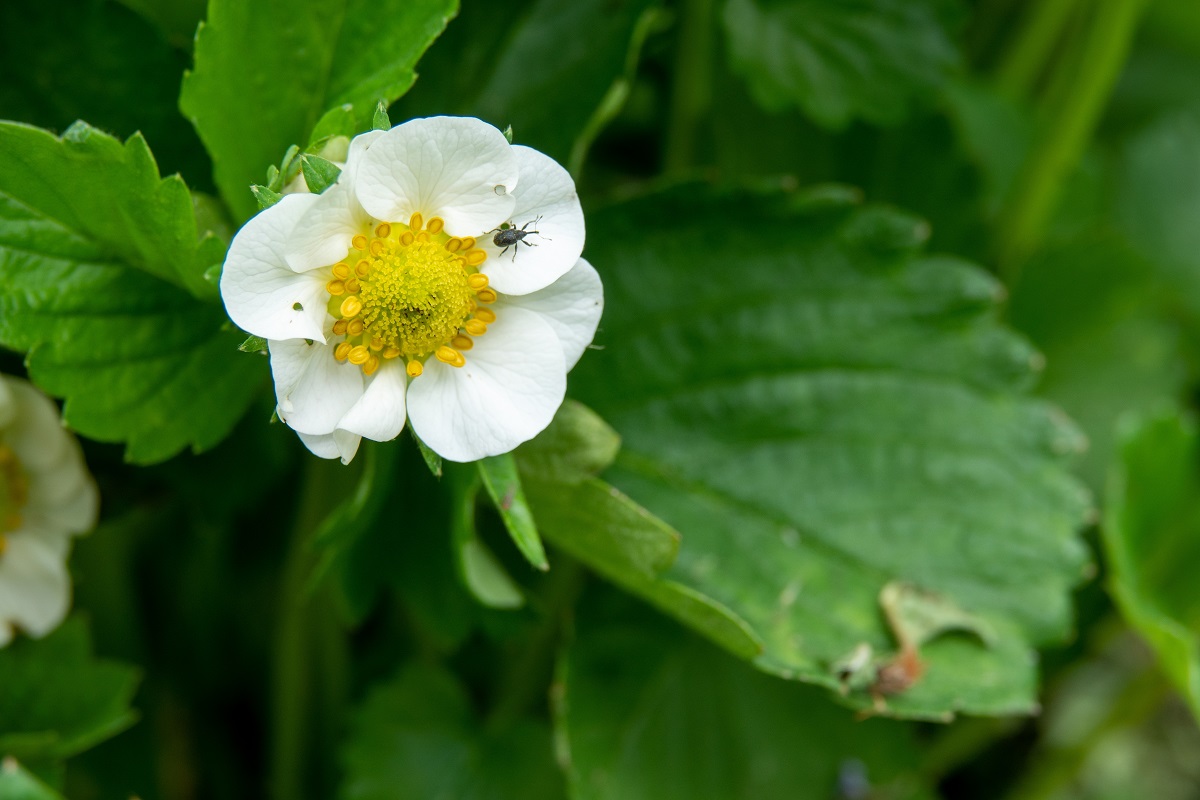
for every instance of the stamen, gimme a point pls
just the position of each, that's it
(342, 352)
(352, 286)
(450, 356)
(435, 225)
(359, 355)
(371, 366)
(416, 221)
(476, 257)
(407, 238)
(414, 369)
(341, 270)
(377, 247)
(335, 288)
(477, 281)
(359, 242)
(351, 306)
(486, 315)
(377, 344)
(391, 352)
(475, 327)
(383, 230)
(362, 268)
(454, 244)
(486, 295)
(462, 342)
(423, 236)
(468, 242)
(355, 327)
(339, 327)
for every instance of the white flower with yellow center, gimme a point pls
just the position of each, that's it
(438, 280)
(46, 497)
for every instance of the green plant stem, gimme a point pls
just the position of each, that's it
(1073, 107)
(1037, 38)
(691, 96)
(309, 648)
(527, 677)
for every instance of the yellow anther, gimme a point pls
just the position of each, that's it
(407, 238)
(414, 369)
(468, 243)
(352, 286)
(335, 288)
(462, 342)
(475, 327)
(391, 352)
(486, 295)
(359, 242)
(377, 344)
(359, 354)
(362, 268)
(476, 257)
(435, 225)
(351, 306)
(377, 247)
(423, 236)
(486, 315)
(454, 244)
(341, 270)
(383, 230)
(477, 281)
(450, 356)
(342, 352)
(416, 221)
(339, 327)
(371, 366)
(355, 327)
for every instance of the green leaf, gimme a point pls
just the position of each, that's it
(1152, 540)
(265, 72)
(652, 712)
(111, 194)
(622, 541)
(577, 444)
(478, 568)
(512, 69)
(416, 736)
(319, 173)
(17, 784)
(841, 59)
(58, 699)
(503, 484)
(825, 413)
(87, 260)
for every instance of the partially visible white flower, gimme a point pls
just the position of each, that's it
(46, 498)
(393, 295)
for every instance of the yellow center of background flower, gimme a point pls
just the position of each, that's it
(14, 493)
(410, 291)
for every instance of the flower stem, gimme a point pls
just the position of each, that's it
(691, 95)
(1042, 29)
(309, 658)
(1077, 97)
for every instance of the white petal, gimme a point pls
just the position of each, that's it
(513, 382)
(35, 590)
(545, 190)
(36, 433)
(313, 389)
(448, 167)
(262, 294)
(354, 157)
(572, 305)
(379, 413)
(339, 444)
(322, 236)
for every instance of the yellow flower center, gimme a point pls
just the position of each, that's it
(410, 291)
(14, 493)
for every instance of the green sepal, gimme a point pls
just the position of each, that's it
(503, 484)
(508, 134)
(274, 178)
(266, 196)
(319, 173)
(253, 344)
(382, 121)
